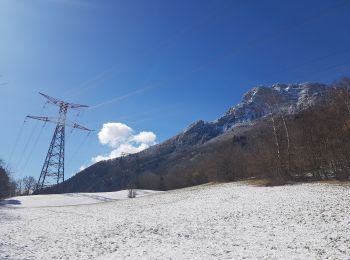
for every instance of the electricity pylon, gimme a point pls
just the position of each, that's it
(52, 172)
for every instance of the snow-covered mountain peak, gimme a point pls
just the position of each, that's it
(291, 96)
(262, 100)
(257, 103)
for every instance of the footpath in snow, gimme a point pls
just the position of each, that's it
(221, 221)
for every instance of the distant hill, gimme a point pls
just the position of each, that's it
(207, 151)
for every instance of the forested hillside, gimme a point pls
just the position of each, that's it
(284, 133)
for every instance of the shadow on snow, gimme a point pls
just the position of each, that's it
(95, 197)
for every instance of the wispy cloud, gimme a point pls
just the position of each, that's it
(90, 83)
(119, 98)
(2, 83)
(80, 3)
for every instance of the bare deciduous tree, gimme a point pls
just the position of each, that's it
(29, 184)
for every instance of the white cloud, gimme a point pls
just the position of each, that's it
(114, 134)
(123, 148)
(121, 139)
(145, 137)
(127, 148)
(99, 158)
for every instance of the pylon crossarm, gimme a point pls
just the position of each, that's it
(59, 102)
(77, 126)
(55, 121)
(41, 118)
(51, 99)
(44, 119)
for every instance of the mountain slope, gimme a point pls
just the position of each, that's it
(147, 168)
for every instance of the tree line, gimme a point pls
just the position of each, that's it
(10, 187)
(312, 144)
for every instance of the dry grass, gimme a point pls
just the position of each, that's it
(257, 182)
(336, 182)
(269, 182)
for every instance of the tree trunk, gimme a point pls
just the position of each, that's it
(278, 174)
(288, 145)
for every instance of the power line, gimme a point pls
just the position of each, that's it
(332, 67)
(18, 137)
(318, 59)
(77, 150)
(30, 137)
(274, 34)
(300, 65)
(26, 145)
(33, 147)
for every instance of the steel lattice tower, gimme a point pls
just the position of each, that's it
(52, 172)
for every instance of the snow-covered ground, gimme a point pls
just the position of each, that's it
(69, 199)
(222, 221)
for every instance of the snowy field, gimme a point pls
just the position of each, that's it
(222, 221)
(69, 199)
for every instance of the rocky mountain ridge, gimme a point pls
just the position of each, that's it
(256, 103)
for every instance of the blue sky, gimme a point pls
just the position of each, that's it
(153, 66)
